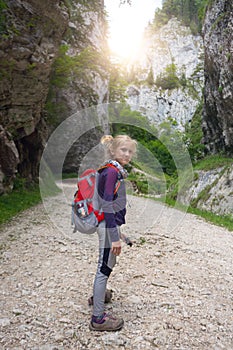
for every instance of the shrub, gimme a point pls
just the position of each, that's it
(168, 80)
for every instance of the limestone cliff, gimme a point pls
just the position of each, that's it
(32, 33)
(212, 191)
(172, 45)
(30, 36)
(79, 76)
(218, 92)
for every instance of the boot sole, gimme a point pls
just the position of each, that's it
(92, 328)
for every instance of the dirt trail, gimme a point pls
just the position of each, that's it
(174, 287)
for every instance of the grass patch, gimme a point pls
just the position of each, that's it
(69, 176)
(213, 162)
(208, 163)
(23, 196)
(20, 199)
(219, 220)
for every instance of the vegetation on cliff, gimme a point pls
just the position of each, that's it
(3, 7)
(66, 69)
(83, 66)
(189, 12)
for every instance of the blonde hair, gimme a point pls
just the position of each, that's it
(112, 143)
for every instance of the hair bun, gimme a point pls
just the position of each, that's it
(106, 139)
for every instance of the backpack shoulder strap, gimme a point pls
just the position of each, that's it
(88, 178)
(109, 165)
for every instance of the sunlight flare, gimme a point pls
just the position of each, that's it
(127, 25)
(126, 42)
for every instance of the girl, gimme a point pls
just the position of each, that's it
(112, 197)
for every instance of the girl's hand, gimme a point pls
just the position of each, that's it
(116, 248)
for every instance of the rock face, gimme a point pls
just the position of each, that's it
(85, 68)
(32, 33)
(9, 159)
(212, 191)
(161, 105)
(85, 40)
(218, 92)
(172, 44)
(33, 30)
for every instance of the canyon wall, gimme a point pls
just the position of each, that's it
(33, 34)
(173, 45)
(218, 91)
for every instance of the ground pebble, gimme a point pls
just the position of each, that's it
(172, 287)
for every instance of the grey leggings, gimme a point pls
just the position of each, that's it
(106, 262)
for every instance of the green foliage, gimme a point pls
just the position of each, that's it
(6, 69)
(138, 127)
(193, 135)
(146, 184)
(117, 84)
(190, 12)
(163, 155)
(218, 20)
(168, 79)
(201, 10)
(219, 220)
(3, 7)
(48, 185)
(213, 161)
(150, 78)
(90, 5)
(54, 110)
(62, 67)
(23, 196)
(183, 80)
(228, 56)
(206, 164)
(126, 119)
(160, 19)
(132, 74)
(68, 68)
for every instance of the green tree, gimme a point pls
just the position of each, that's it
(138, 127)
(193, 135)
(189, 12)
(168, 79)
(67, 68)
(3, 7)
(117, 84)
(150, 78)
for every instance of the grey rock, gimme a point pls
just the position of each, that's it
(218, 91)
(173, 43)
(4, 322)
(196, 255)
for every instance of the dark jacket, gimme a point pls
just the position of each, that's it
(113, 205)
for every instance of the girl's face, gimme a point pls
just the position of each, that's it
(123, 153)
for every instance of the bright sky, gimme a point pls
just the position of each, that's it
(127, 23)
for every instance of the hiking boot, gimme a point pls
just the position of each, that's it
(108, 323)
(108, 297)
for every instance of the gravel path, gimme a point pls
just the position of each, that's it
(174, 287)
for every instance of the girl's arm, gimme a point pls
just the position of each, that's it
(111, 177)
